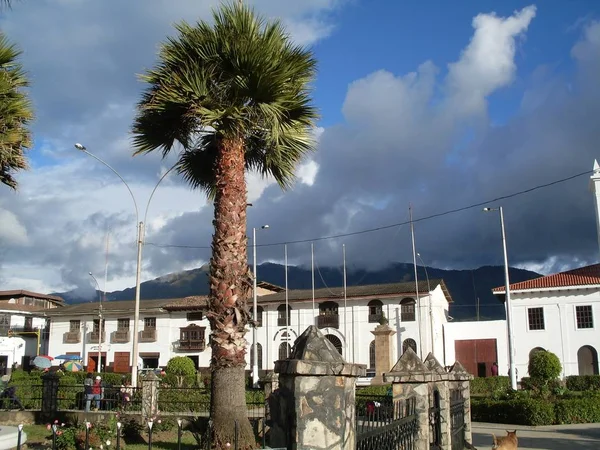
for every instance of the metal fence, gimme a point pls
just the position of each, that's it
(385, 424)
(457, 420)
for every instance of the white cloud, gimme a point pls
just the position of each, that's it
(12, 230)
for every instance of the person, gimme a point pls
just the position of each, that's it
(87, 390)
(126, 392)
(495, 369)
(10, 394)
(97, 392)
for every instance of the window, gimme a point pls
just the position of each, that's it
(96, 324)
(4, 324)
(122, 324)
(409, 343)
(282, 320)
(535, 317)
(372, 355)
(74, 326)
(195, 316)
(407, 310)
(28, 324)
(285, 349)
(260, 355)
(328, 309)
(259, 316)
(375, 311)
(150, 322)
(584, 316)
(192, 337)
(335, 341)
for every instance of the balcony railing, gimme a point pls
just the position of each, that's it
(329, 320)
(23, 329)
(94, 337)
(148, 335)
(196, 345)
(72, 337)
(281, 322)
(121, 336)
(375, 318)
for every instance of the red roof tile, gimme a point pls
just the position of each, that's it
(583, 276)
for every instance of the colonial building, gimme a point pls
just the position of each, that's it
(179, 326)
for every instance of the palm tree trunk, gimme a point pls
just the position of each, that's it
(229, 291)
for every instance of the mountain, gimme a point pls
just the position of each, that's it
(467, 287)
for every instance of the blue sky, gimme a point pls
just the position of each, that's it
(494, 122)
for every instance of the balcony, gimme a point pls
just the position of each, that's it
(148, 335)
(191, 345)
(120, 336)
(329, 320)
(23, 329)
(281, 322)
(72, 337)
(94, 337)
(375, 318)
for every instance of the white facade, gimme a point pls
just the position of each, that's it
(18, 339)
(351, 326)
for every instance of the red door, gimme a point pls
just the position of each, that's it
(476, 355)
(121, 364)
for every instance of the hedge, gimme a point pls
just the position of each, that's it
(583, 383)
(535, 411)
(489, 385)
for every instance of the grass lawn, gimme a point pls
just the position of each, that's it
(39, 437)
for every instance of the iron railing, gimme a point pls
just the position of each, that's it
(148, 335)
(457, 420)
(72, 337)
(328, 320)
(385, 424)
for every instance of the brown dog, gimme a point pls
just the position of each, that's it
(508, 442)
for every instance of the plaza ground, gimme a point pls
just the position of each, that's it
(554, 437)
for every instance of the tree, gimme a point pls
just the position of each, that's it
(181, 367)
(544, 366)
(16, 113)
(235, 96)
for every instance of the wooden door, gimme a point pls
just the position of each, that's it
(121, 364)
(476, 355)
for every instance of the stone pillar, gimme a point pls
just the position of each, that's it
(270, 383)
(150, 395)
(461, 379)
(316, 397)
(440, 386)
(383, 351)
(410, 379)
(50, 394)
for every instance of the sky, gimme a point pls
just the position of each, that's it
(437, 104)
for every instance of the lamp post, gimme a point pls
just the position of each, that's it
(255, 309)
(509, 324)
(140, 244)
(430, 308)
(99, 322)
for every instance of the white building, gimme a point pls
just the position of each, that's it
(179, 327)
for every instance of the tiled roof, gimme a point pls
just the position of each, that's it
(583, 276)
(24, 293)
(109, 307)
(194, 302)
(370, 290)
(5, 306)
(270, 286)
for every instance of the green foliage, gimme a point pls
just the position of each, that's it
(181, 366)
(515, 411)
(490, 386)
(374, 390)
(583, 383)
(72, 436)
(544, 366)
(578, 410)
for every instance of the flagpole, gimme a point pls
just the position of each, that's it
(412, 232)
(312, 264)
(287, 304)
(345, 302)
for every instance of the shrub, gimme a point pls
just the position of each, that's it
(583, 383)
(578, 410)
(494, 386)
(181, 367)
(515, 411)
(374, 390)
(544, 366)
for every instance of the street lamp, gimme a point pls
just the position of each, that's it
(99, 322)
(255, 311)
(511, 347)
(429, 302)
(140, 244)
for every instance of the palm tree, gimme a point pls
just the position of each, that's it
(235, 96)
(16, 113)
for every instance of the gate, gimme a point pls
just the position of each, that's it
(457, 420)
(385, 424)
(435, 422)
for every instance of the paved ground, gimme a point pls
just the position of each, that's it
(557, 437)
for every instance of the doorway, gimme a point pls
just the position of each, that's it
(587, 360)
(92, 363)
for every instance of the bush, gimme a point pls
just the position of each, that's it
(514, 411)
(544, 366)
(494, 386)
(583, 383)
(181, 367)
(374, 390)
(578, 410)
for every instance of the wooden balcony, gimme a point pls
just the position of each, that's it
(375, 318)
(328, 321)
(120, 336)
(148, 335)
(94, 337)
(281, 322)
(192, 345)
(72, 337)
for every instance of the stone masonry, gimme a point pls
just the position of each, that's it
(314, 407)
(383, 351)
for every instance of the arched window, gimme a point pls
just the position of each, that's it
(335, 341)
(587, 360)
(259, 351)
(328, 315)
(259, 316)
(372, 355)
(282, 319)
(285, 349)
(409, 343)
(375, 311)
(407, 310)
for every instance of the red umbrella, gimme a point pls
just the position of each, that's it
(49, 358)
